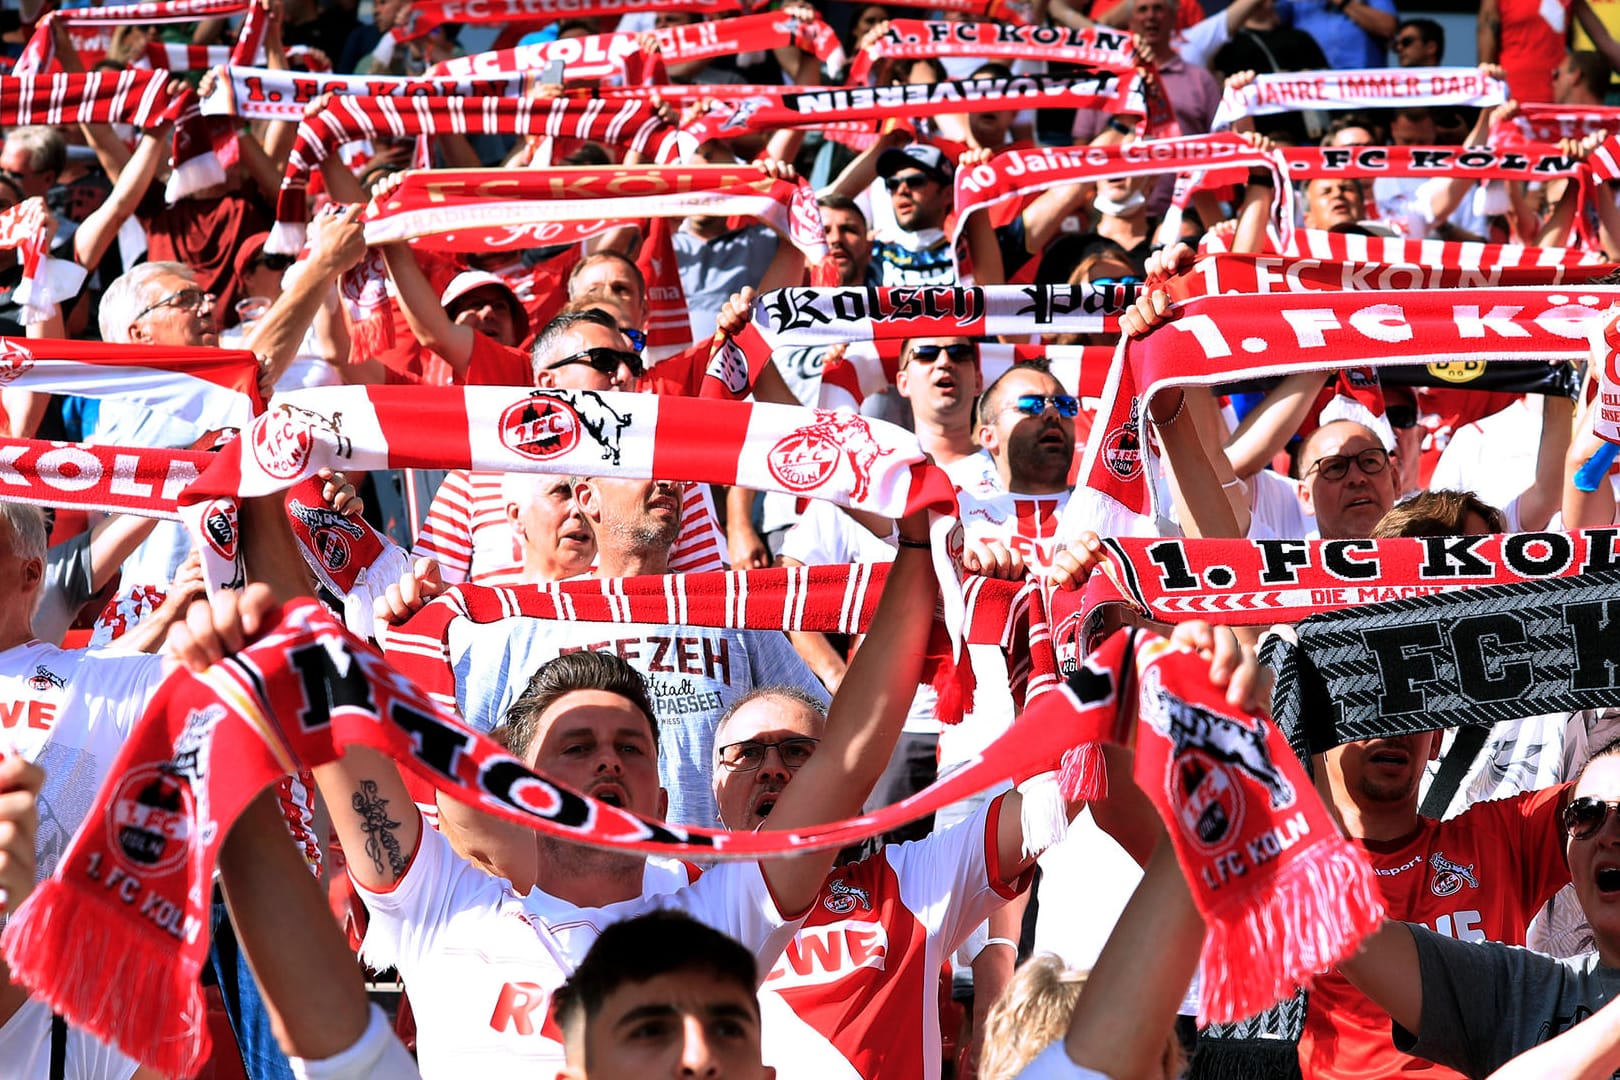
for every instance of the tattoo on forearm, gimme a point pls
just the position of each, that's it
(379, 829)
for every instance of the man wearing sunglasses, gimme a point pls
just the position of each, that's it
(1027, 426)
(1419, 43)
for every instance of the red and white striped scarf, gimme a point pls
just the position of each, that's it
(850, 460)
(1262, 582)
(166, 376)
(46, 282)
(1524, 161)
(427, 14)
(601, 56)
(1544, 122)
(825, 599)
(40, 51)
(254, 93)
(1369, 88)
(767, 107)
(1219, 339)
(919, 39)
(634, 124)
(1407, 262)
(1215, 161)
(789, 318)
(99, 97)
(504, 209)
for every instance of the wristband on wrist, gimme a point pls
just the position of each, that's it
(906, 541)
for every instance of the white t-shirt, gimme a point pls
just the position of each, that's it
(693, 674)
(69, 712)
(861, 975)
(1495, 458)
(481, 962)
(1053, 1064)
(25, 1050)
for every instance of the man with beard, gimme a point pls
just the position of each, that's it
(1479, 876)
(1026, 425)
(693, 673)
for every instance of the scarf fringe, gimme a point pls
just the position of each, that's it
(1083, 773)
(1314, 914)
(69, 947)
(193, 175)
(1043, 814)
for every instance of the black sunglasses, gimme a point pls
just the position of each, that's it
(910, 180)
(1583, 817)
(604, 360)
(277, 263)
(959, 353)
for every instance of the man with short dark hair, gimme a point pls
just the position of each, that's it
(1419, 43)
(659, 995)
(482, 961)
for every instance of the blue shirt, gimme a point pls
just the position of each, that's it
(1346, 45)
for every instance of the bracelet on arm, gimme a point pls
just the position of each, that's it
(1009, 942)
(906, 541)
(1173, 417)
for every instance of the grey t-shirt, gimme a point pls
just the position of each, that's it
(693, 674)
(1485, 1003)
(67, 588)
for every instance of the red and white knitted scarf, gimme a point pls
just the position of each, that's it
(850, 460)
(504, 209)
(1338, 261)
(601, 56)
(1369, 88)
(427, 14)
(826, 599)
(919, 39)
(767, 108)
(1525, 161)
(172, 377)
(634, 124)
(1215, 161)
(788, 318)
(1218, 339)
(254, 93)
(123, 963)
(1544, 122)
(99, 97)
(1260, 582)
(40, 52)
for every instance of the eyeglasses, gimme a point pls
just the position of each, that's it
(276, 263)
(190, 299)
(604, 360)
(1583, 817)
(1371, 462)
(914, 180)
(637, 340)
(1401, 417)
(1406, 41)
(959, 353)
(1035, 404)
(749, 755)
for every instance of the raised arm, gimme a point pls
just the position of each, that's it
(863, 723)
(336, 243)
(96, 234)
